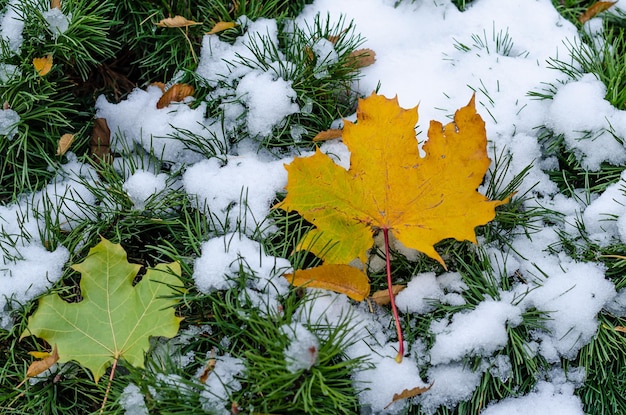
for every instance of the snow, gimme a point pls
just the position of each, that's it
(223, 258)
(11, 26)
(237, 194)
(425, 291)
(427, 53)
(220, 383)
(302, 352)
(265, 110)
(58, 23)
(458, 338)
(143, 185)
(8, 123)
(132, 401)
(545, 400)
(580, 112)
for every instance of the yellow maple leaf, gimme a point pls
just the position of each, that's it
(389, 186)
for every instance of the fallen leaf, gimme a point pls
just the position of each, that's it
(115, 319)
(381, 297)
(335, 38)
(221, 26)
(55, 4)
(343, 279)
(620, 328)
(208, 368)
(100, 139)
(595, 9)
(328, 135)
(361, 58)
(176, 21)
(43, 65)
(160, 85)
(408, 393)
(176, 92)
(389, 186)
(46, 362)
(65, 142)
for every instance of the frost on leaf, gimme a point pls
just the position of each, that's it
(389, 186)
(115, 319)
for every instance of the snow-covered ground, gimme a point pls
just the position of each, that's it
(427, 53)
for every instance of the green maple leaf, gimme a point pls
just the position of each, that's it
(114, 320)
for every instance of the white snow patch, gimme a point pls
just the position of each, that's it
(58, 22)
(222, 381)
(459, 338)
(546, 399)
(132, 400)
(143, 185)
(303, 350)
(223, 256)
(268, 101)
(237, 195)
(580, 112)
(8, 123)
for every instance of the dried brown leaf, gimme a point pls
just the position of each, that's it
(40, 366)
(65, 142)
(208, 368)
(595, 9)
(221, 26)
(361, 58)
(55, 4)
(100, 139)
(177, 93)
(408, 393)
(382, 297)
(176, 21)
(620, 328)
(328, 135)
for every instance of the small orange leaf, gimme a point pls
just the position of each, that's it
(361, 58)
(341, 278)
(40, 366)
(382, 297)
(65, 142)
(595, 9)
(328, 135)
(176, 21)
(177, 92)
(620, 328)
(221, 26)
(55, 4)
(408, 393)
(43, 65)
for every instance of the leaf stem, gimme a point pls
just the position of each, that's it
(106, 394)
(394, 309)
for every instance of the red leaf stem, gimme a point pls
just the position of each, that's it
(394, 309)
